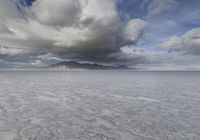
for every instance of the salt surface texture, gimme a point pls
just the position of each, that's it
(99, 105)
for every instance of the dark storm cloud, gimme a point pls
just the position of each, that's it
(80, 29)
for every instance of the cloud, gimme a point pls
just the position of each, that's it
(186, 44)
(128, 54)
(88, 30)
(157, 7)
(57, 13)
(8, 9)
(180, 52)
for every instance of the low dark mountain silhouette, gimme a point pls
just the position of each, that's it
(77, 65)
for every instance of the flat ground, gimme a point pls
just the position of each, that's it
(99, 105)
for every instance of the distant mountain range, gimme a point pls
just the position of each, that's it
(77, 65)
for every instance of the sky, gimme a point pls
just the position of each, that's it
(144, 34)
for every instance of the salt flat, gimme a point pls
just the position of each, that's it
(99, 105)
